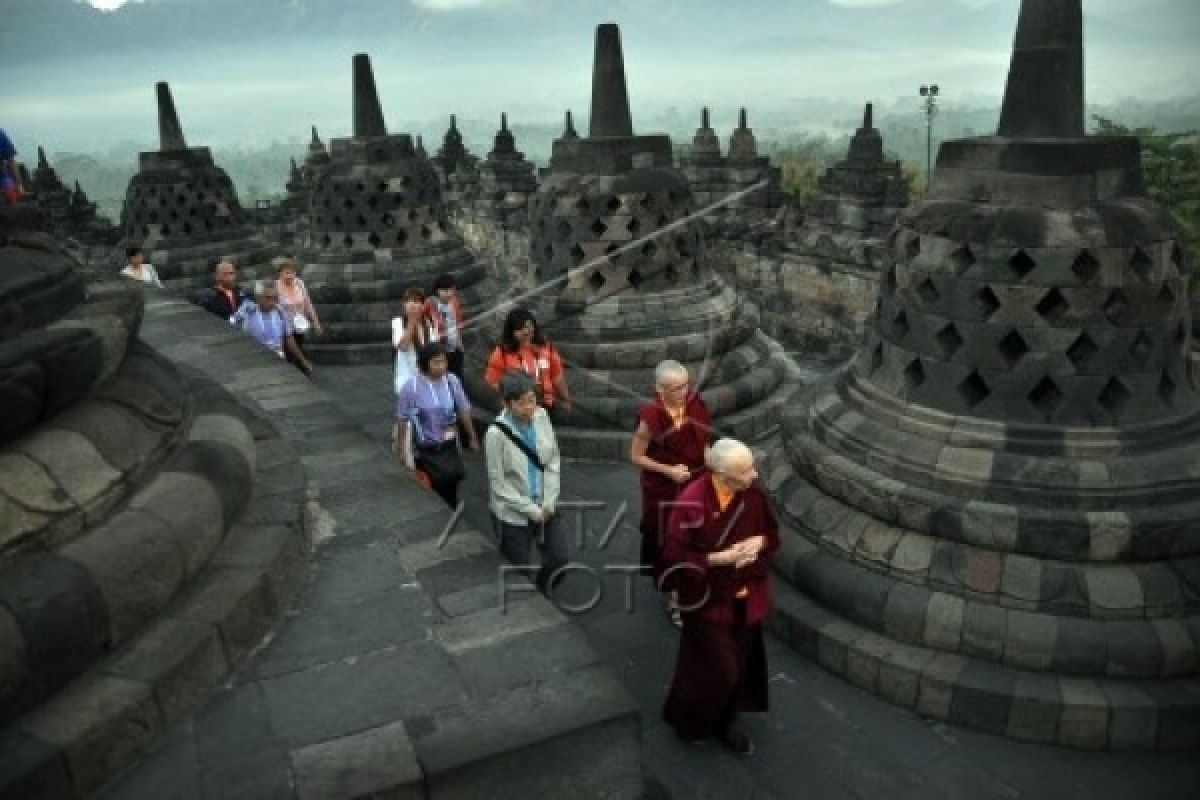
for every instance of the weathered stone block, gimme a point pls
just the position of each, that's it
(226, 430)
(1030, 640)
(586, 726)
(496, 624)
(136, 564)
(835, 637)
(985, 629)
(1022, 580)
(913, 555)
(181, 661)
(375, 763)
(1134, 649)
(62, 618)
(900, 674)
(1115, 590)
(944, 621)
(905, 612)
(1134, 718)
(101, 724)
(1085, 715)
(982, 697)
(1036, 709)
(192, 509)
(939, 680)
(75, 463)
(863, 660)
(239, 602)
(31, 768)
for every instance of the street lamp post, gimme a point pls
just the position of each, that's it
(930, 93)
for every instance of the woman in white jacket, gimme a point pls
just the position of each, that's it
(523, 491)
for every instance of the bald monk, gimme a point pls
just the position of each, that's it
(719, 542)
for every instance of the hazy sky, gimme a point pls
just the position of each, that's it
(773, 56)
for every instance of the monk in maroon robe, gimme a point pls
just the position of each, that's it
(719, 541)
(668, 448)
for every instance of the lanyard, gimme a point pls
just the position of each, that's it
(447, 407)
(536, 372)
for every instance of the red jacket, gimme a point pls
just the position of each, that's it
(542, 363)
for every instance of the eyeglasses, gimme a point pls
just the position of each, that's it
(679, 387)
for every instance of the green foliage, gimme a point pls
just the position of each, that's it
(802, 160)
(915, 177)
(1171, 165)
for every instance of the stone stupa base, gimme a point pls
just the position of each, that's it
(173, 550)
(745, 378)
(970, 627)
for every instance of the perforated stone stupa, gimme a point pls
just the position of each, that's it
(506, 178)
(457, 168)
(817, 283)
(744, 175)
(378, 225)
(69, 214)
(995, 511)
(862, 194)
(184, 211)
(627, 283)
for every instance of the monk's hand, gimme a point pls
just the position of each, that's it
(754, 545)
(745, 561)
(724, 558)
(680, 473)
(747, 553)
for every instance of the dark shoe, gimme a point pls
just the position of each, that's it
(738, 741)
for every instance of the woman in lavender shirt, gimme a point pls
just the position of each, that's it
(434, 401)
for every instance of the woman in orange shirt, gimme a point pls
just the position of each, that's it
(522, 347)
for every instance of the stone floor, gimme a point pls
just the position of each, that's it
(823, 739)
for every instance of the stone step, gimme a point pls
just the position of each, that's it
(1041, 707)
(462, 688)
(104, 721)
(940, 618)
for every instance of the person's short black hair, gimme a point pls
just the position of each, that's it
(132, 250)
(428, 352)
(445, 281)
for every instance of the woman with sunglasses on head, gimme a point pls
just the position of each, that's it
(411, 330)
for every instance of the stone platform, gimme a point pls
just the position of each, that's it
(824, 738)
(396, 673)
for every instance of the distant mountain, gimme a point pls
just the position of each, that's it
(52, 29)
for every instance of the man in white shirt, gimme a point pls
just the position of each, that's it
(137, 268)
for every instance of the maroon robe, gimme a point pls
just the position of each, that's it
(668, 445)
(721, 668)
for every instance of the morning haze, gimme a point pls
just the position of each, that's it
(249, 75)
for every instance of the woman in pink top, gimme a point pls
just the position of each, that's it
(294, 300)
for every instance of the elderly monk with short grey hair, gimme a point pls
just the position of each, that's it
(668, 447)
(719, 541)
